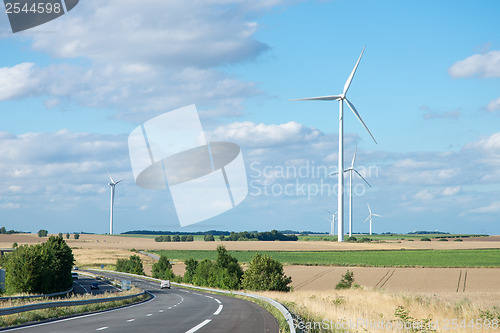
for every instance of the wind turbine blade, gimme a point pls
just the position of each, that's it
(336, 173)
(119, 181)
(321, 98)
(362, 177)
(366, 219)
(353, 109)
(111, 178)
(354, 157)
(377, 215)
(369, 209)
(348, 82)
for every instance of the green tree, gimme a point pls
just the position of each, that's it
(132, 265)
(190, 238)
(163, 269)
(76, 236)
(265, 273)
(190, 270)
(221, 237)
(42, 233)
(208, 238)
(41, 268)
(60, 234)
(67, 235)
(176, 238)
(184, 238)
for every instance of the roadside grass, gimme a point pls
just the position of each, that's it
(377, 258)
(59, 312)
(367, 310)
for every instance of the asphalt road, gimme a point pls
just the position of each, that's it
(82, 286)
(171, 310)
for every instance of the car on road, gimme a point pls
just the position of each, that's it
(94, 285)
(74, 276)
(165, 284)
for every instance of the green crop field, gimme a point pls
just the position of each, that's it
(382, 258)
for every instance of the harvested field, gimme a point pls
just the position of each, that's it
(450, 280)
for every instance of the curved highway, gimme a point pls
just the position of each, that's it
(171, 310)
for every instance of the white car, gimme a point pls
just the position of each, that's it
(165, 284)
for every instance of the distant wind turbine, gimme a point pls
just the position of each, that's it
(341, 98)
(370, 217)
(332, 222)
(112, 184)
(350, 170)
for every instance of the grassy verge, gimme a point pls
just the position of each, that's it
(60, 312)
(380, 258)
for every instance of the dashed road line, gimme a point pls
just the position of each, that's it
(102, 328)
(200, 325)
(149, 315)
(130, 320)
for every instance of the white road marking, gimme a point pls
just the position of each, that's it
(169, 307)
(130, 320)
(217, 300)
(218, 310)
(197, 327)
(149, 315)
(160, 311)
(102, 328)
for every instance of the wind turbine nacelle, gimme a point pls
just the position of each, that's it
(26, 14)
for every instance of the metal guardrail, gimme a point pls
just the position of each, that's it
(30, 307)
(37, 296)
(280, 307)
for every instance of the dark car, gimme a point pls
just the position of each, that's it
(94, 285)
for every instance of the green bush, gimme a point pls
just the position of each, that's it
(184, 238)
(443, 240)
(224, 273)
(458, 240)
(76, 236)
(365, 240)
(425, 239)
(132, 265)
(189, 238)
(42, 233)
(347, 281)
(352, 239)
(163, 269)
(176, 238)
(265, 273)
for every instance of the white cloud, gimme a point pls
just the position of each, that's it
(477, 65)
(254, 135)
(489, 144)
(145, 57)
(493, 105)
(17, 81)
(450, 191)
(494, 207)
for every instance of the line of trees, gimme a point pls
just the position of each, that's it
(39, 269)
(273, 235)
(175, 238)
(263, 273)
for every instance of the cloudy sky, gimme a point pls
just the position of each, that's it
(428, 87)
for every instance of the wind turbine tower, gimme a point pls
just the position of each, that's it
(341, 98)
(370, 217)
(112, 184)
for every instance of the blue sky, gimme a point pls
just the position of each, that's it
(427, 87)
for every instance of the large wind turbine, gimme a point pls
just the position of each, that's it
(341, 98)
(112, 184)
(370, 217)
